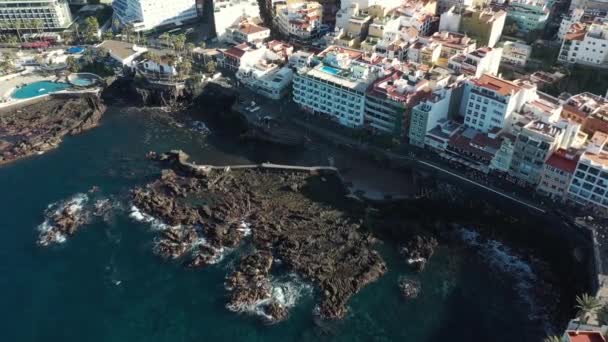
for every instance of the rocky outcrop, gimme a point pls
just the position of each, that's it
(39, 127)
(418, 251)
(159, 97)
(409, 288)
(322, 244)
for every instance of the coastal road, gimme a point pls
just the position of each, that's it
(287, 109)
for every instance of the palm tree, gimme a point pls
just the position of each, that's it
(189, 48)
(553, 338)
(184, 68)
(18, 24)
(586, 305)
(179, 42)
(166, 38)
(38, 25)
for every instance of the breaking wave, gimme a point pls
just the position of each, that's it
(285, 291)
(49, 232)
(139, 216)
(506, 261)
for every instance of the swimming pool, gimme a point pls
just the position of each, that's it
(330, 70)
(75, 50)
(39, 88)
(83, 79)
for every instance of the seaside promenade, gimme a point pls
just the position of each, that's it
(289, 112)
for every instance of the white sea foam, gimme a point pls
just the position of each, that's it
(244, 228)
(200, 127)
(285, 291)
(156, 224)
(75, 206)
(506, 261)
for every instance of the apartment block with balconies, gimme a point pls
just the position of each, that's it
(46, 15)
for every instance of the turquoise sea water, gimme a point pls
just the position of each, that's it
(39, 88)
(106, 285)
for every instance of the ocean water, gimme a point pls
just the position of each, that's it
(105, 284)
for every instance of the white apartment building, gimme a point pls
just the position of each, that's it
(299, 20)
(337, 86)
(246, 31)
(231, 12)
(585, 44)
(427, 114)
(483, 24)
(484, 60)
(489, 101)
(533, 146)
(516, 53)
(266, 78)
(145, 15)
(589, 184)
(51, 14)
(574, 16)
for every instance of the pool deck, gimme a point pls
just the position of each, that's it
(7, 87)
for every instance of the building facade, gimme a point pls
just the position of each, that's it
(516, 53)
(533, 146)
(300, 20)
(337, 86)
(585, 44)
(528, 15)
(389, 101)
(144, 15)
(557, 174)
(484, 60)
(589, 185)
(427, 114)
(47, 15)
(489, 101)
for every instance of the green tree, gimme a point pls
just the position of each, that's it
(586, 306)
(18, 24)
(38, 25)
(189, 48)
(108, 35)
(166, 38)
(101, 53)
(90, 29)
(184, 68)
(72, 64)
(12, 40)
(211, 67)
(115, 25)
(179, 42)
(75, 32)
(151, 56)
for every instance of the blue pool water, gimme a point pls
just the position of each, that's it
(330, 70)
(75, 50)
(82, 81)
(39, 88)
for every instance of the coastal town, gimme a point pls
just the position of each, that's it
(510, 96)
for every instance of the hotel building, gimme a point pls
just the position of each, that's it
(51, 14)
(144, 15)
(590, 181)
(337, 86)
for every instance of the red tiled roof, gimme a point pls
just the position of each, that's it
(561, 161)
(249, 28)
(585, 336)
(235, 52)
(503, 87)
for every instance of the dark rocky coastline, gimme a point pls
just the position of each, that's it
(39, 127)
(322, 244)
